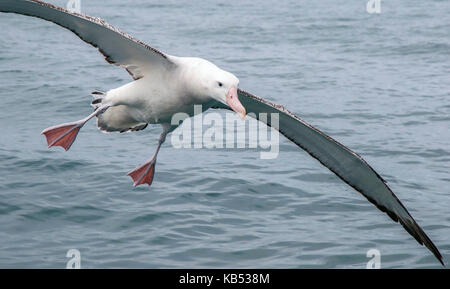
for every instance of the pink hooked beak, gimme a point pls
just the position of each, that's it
(234, 103)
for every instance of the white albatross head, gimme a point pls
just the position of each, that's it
(212, 82)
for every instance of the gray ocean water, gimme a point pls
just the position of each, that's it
(378, 83)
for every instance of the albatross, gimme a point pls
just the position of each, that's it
(164, 84)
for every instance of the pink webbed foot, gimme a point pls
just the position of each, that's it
(62, 135)
(143, 174)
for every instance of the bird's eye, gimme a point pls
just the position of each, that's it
(220, 83)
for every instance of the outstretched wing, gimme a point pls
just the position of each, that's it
(118, 47)
(346, 164)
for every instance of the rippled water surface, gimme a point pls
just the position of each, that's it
(378, 83)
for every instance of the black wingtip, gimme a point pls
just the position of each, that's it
(438, 256)
(416, 231)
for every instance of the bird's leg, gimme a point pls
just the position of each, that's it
(144, 174)
(65, 134)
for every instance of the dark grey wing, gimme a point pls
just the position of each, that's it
(346, 164)
(118, 47)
